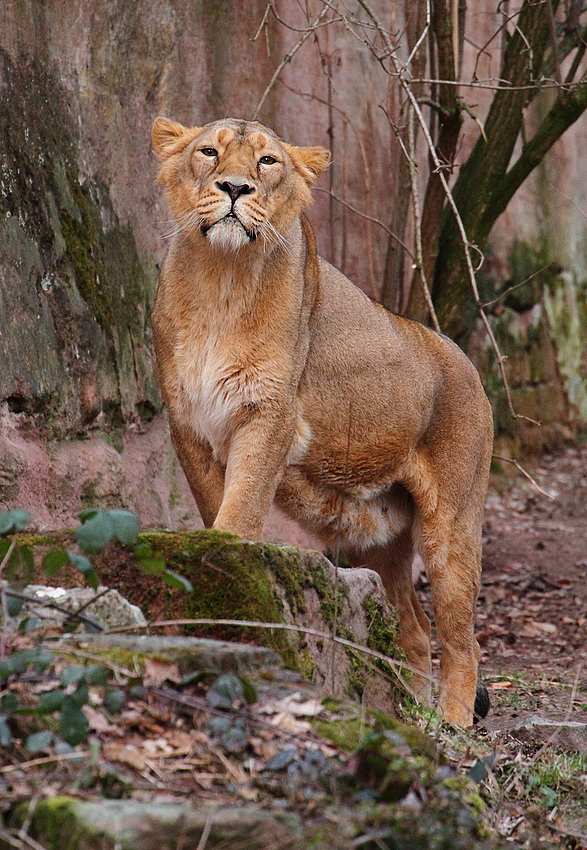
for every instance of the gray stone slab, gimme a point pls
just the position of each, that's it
(568, 735)
(189, 653)
(133, 825)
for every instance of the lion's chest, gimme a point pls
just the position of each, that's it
(219, 388)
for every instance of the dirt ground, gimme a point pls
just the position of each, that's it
(532, 611)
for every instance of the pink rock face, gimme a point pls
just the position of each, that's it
(55, 480)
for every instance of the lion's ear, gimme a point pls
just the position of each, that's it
(170, 137)
(310, 162)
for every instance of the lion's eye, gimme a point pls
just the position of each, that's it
(209, 151)
(267, 160)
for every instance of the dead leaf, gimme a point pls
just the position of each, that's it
(157, 746)
(98, 722)
(158, 671)
(126, 754)
(286, 721)
(534, 629)
(293, 704)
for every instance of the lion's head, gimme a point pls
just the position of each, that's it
(233, 181)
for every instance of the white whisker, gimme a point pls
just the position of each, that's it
(185, 224)
(269, 234)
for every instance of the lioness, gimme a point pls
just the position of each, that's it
(284, 381)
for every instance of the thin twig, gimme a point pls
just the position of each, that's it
(521, 469)
(369, 218)
(20, 841)
(46, 603)
(206, 831)
(396, 666)
(516, 286)
(286, 59)
(418, 222)
(4, 634)
(497, 84)
(263, 22)
(23, 832)
(553, 42)
(423, 34)
(24, 765)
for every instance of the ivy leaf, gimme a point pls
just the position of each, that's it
(53, 561)
(225, 690)
(97, 675)
(95, 533)
(20, 566)
(249, 691)
(39, 741)
(176, 580)
(14, 604)
(5, 733)
(126, 526)
(73, 723)
(235, 739)
(114, 700)
(13, 521)
(85, 567)
(9, 702)
(72, 673)
(88, 513)
(81, 694)
(4, 547)
(50, 701)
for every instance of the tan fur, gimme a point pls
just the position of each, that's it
(284, 381)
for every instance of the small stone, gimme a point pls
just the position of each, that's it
(569, 735)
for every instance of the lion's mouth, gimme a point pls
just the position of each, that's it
(230, 219)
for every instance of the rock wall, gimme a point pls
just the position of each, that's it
(82, 225)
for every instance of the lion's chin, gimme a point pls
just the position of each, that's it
(228, 235)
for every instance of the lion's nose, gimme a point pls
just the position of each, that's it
(235, 190)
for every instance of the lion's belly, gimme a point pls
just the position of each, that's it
(361, 519)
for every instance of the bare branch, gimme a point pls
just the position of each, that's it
(417, 222)
(286, 59)
(521, 469)
(368, 218)
(263, 21)
(517, 285)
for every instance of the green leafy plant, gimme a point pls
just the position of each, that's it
(59, 711)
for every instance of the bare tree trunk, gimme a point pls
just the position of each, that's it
(392, 293)
(485, 169)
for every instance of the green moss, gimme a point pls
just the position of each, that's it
(344, 734)
(347, 732)
(55, 823)
(467, 791)
(231, 581)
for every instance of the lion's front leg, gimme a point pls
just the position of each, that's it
(204, 474)
(256, 462)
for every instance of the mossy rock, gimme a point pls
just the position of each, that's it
(260, 582)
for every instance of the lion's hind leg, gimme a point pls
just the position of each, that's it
(451, 550)
(393, 562)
